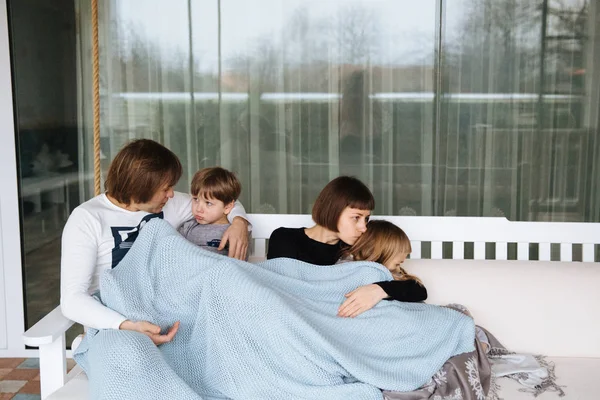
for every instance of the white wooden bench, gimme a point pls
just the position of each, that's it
(534, 306)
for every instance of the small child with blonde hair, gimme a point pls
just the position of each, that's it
(387, 244)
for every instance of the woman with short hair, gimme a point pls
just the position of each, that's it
(100, 232)
(341, 213)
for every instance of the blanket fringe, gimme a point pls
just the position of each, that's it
(548, 385)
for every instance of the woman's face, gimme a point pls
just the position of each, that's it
(158, 200)
(352, 224)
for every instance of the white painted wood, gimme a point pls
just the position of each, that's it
(11, 290)
(566, 252)
(53, 366)
(47, 330)
(479, 250)
(523, 251)
(264, 224)
(457, 230)
(501, 251)
(458, 250)
(436, 250)
(545, 252)
(588, 252)
(260, 249)
(416, 249)
(492, 229)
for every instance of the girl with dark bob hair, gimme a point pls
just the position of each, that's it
(341, 213)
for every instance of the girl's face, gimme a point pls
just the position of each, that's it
(395, 262)
(352, 224)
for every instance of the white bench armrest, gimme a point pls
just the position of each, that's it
(49, 335)
(48, 329)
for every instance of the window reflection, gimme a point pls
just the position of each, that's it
(322, 89)
(45, 92)
(487, 108)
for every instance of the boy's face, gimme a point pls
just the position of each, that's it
(210, 211)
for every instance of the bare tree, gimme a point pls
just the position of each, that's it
(497, 46)
(355, 34)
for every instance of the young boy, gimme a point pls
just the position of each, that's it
(214, 192)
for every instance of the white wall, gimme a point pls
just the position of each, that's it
(11, 285)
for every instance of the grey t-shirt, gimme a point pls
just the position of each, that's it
(207, 236)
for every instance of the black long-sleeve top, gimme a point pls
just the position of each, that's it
(294, 243)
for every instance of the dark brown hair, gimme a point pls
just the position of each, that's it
(381, 243)
(216, 183)
(342, 192)
(139, 170)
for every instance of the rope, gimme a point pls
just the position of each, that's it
(96, 95)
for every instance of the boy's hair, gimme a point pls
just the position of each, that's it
(380, 243)
(216, 183)
(342, 192)
(139, 170)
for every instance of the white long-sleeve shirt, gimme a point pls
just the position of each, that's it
(96, 237)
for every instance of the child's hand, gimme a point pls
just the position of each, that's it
(360, 300)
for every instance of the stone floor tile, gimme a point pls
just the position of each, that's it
(11, 386)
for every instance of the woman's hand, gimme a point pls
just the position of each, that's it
(360, 300)
(237, 236)
(150, 330)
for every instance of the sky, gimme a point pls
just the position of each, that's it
(407, 27)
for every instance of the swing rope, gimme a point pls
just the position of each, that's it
(96, 96)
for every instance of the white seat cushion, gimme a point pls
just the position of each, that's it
(577, 375)
(541, 307)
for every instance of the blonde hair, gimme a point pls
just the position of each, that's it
(381, 243)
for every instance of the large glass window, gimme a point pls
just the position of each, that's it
(458, 107)
(513, 137)
(43, 52)
(302, 93)
(444, 107)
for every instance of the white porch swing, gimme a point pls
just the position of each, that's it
(541, 307)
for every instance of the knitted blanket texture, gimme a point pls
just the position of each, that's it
(259, 331)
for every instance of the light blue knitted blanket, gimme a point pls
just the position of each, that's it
(264, 331)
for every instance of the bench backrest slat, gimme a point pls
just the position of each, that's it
(482, 233)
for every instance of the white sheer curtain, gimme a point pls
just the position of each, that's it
(442, 111)
(523, 151)
(286, 94)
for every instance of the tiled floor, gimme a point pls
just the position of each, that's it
(20, 378)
